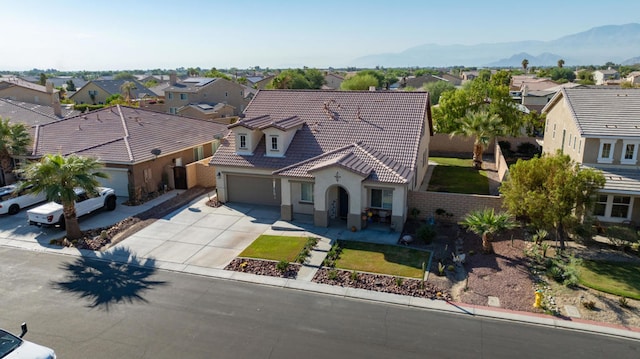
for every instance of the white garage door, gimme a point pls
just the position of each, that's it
(118, 180)
(254, 190)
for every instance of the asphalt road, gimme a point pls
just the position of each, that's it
(92, 309)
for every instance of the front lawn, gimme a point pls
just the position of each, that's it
(457, 175)
(277, 248)
(383, 259)
(622, 279)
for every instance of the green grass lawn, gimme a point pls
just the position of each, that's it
(616, 278)
(277, 248)
(380, 258)
(457, 175)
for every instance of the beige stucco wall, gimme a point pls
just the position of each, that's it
(82, 95)
(559, 121)
(225, 112)
(219, 91)
(295, 192)
(24, 94)
(201, 174)
(443, 143)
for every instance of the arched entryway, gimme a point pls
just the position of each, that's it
(337, 199)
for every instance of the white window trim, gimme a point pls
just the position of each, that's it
(198, 153)
(633, 160)
(271, 144)
(613, 148)
(609, 206)
(382, 198)
(240, 136)
(183, 96)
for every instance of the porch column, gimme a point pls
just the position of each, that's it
(286, 209)
(399, 207)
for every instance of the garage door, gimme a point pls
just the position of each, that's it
(255, 190)
(118, 180)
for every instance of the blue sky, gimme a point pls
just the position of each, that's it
(142, 34)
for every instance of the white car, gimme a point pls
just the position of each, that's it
(13, 347)
(12, 200)
(50, 214)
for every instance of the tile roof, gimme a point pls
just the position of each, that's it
(14, 81)
(266, 121)
(114, 86)
(31, 114)
(382, 128)
(121, 134)
(603, 111)
(621, 180)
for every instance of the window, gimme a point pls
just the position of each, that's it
(382, 198)
(630, 152)
(605, 155)
(173, 110)
(613, 206)
(226, 94)
(620, 207)
(580, 146)
(306, 192)
(170, 95)
(554, 131)
(198, 153)
(183, 96)
(274, 143)
(243, 140)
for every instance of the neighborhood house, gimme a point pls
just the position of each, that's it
(335, 155)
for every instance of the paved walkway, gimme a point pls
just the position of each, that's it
(202, 240)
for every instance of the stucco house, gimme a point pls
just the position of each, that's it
(334, 155)
(142, 150)
(600, 128)
(96, 92)
(17, 89)
(601, 77)
(204, 90)
(332, 81)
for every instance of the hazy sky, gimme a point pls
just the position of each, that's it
(141, 34)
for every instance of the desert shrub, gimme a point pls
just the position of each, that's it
(399, 281)
(306, 250)
(282, 266)
(590, 304)
(528, 149)
(354, 275)
(621, 236)
(332, 256)
(332, 274)
(441, 268)
(426, 233)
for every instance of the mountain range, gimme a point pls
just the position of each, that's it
(596, 46)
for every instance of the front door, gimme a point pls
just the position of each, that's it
(343, 203)
(180, 177)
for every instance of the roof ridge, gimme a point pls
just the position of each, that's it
(20, 104)
(315, 158)
(126, 134)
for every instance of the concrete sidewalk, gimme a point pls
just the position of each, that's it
(201, 240)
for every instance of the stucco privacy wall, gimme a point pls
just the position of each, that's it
(444, 143)
(201, 174)
(457, 204)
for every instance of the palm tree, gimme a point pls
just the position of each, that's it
(560, 63)
(486, 223)
(58, 177)
(525, 64)
(14, 140)
(126, 88)
(484, 127)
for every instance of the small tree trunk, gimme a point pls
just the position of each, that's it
(71, 221)
(561, 236)
(487, 247)
(477, 155)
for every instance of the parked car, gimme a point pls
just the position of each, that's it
(13, 198)
(14, 347)
(50, 214)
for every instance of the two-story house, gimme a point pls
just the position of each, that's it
(600, 128)
(601, 77)
(329, 154)
(20, 90)
(203, 90)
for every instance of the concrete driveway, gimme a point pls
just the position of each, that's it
(199, 235)
(16, 232)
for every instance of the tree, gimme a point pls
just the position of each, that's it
(436, 89)
(58, 177)
(298, 79)
(124, 75)
(70, 85)
(550, 191)
(126, 88)
(560, 63)
(585, 77)
(359, 83)
(14, 140)
(525, 64)
(483, 127)
(562, 74)
(486, 223)
(211, 73)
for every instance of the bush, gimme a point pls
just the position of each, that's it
(332, 274)
(591, 305)
(332, 256)
(528, 149)
(354, 275)
(621, 235)
(282, 266)
(426, 233)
